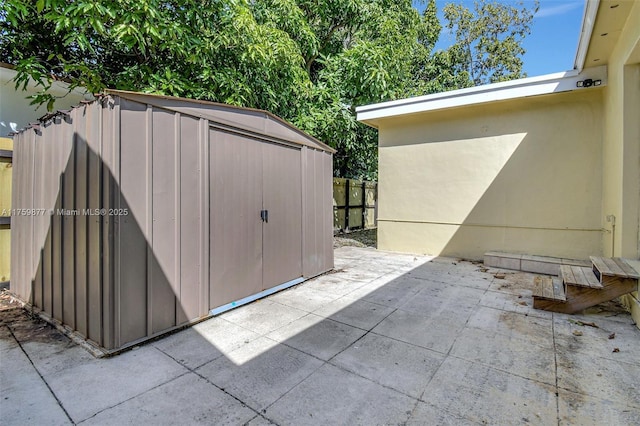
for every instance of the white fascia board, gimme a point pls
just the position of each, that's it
(525, 87)
(588, 20)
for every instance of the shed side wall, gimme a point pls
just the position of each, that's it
(163, 262)
(60, 262)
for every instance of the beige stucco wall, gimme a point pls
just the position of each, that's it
(621, 148)
(521, 176)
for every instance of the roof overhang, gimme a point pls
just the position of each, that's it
(586, 29)
(602, 24)
(525, 87)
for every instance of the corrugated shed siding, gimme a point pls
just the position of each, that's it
(38, 238)
(109, 151)
(59, 262)
(190, 282)
(118, 279)
(317, 212)
(163, 280)
(94, 221)
(133, 230)
(58, 164)
(163, 185)
(68, 196)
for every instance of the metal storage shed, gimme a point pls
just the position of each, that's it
(137, 213)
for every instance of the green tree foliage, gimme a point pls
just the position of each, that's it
(309, 61)
(488, 46)
(206, 49)
(355, 52)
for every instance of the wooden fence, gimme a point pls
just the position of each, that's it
(355, 204)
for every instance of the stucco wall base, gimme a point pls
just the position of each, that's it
(632, 302)
(471, 242)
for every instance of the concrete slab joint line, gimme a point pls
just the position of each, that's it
(390, 339)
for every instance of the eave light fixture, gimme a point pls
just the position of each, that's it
(588, 83)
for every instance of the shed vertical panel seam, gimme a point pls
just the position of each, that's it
(101, 219)
(148, 234)
(204, 217)
(47, 221)
(117, 138)
(303, 187)
(70, 222)
(85, 218)
(16, 183)
(74, 156)
(40, 246)
(88, 116)
(106, 227)
(32, 266)
(263, 207)
(207, 221)
(42, 183)
(61, 169)
(177, 286)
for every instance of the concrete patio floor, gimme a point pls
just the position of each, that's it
(386, 339)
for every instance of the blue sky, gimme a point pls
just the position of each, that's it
(551, 46)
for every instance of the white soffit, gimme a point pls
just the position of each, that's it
(533, 86)
(588, 20)
(603, 30)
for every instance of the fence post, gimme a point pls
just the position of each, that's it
(364, 204)
(347, 187)
(375, 203)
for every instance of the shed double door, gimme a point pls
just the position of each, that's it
(255, 216)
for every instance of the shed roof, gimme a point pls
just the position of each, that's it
(253, 122)
(250, 120)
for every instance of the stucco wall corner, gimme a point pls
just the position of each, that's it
(632, 302)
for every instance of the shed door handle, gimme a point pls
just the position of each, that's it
(264, 215)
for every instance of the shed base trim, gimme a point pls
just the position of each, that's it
(249, 299)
